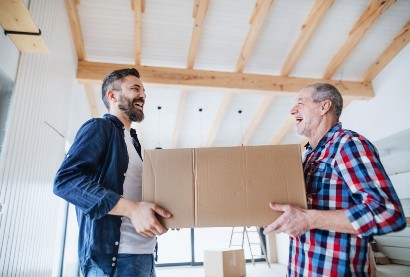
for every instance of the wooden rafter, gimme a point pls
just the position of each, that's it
(200, 9)
(180, 114)
(399, 42)
(138, 8)
(91, 100)
(310, 25)
(15, 17)
(76, 28)
(93, 72)
(373, 12)
(257, 19)
(283, 131)
(226, 101)
(256, 121)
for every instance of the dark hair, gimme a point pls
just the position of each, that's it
(325, 91)
(113, 82)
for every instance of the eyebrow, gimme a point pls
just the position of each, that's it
(135, 86)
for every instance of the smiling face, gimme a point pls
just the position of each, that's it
(131, 98)
(307, 113)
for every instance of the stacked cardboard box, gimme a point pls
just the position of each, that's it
(224, 263)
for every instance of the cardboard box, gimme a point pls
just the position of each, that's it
(224, 263)
(224, 186)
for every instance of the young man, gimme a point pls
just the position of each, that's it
(101, 175)
(350, 197)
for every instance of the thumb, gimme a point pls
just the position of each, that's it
(161, 211)
(277, 207)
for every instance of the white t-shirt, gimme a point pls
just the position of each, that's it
(131, 242)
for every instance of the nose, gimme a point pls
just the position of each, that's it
(142, 94)
(293, 110)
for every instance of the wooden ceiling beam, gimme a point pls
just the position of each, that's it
(199, 13)
(76, 28)
(92, 103)
(310, 25)
(226, 101)
(178, 123)
(18, 25)
(138, 8)
(94, 72)
(256, 121)
(257, 19)
(399, 42)
(367, 19)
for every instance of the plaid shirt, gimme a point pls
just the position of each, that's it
(344, 172)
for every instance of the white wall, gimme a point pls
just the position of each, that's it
(29, 224)
(388, 112)
(9, 56)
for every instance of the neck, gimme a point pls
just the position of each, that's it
(123, 118)
(320, 132)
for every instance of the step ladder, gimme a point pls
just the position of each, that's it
(245, 231)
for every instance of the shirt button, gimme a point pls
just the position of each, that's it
(122, 218)
(113, 264)
(116, 243)
(125, 174)
(114, 258)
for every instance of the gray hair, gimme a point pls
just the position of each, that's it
(325, 91)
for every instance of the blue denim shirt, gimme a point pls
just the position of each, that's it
(91, 177)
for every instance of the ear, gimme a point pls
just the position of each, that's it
(325, 106)
(111, 95)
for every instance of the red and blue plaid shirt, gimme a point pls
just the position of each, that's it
(344, 172)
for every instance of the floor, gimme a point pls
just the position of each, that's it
(258, 270)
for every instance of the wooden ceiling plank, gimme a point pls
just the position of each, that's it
(94, 72)
(178, 123)
(283, 131)
(367, 19)
(92, 103)
(15, 17)
(256, 121)
(226, 101)
(399, 42)
(138, 29)
(196, 32)
(76, 28)
(196, 7)
(257, 19)
(255, 11)
(310, 25)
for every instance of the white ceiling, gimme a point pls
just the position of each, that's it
(167, 26)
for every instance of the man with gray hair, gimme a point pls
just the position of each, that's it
(350, 197)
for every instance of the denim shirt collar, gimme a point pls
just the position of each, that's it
(114, 119)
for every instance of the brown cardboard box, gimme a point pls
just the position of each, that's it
(224, 263)
(225, 186)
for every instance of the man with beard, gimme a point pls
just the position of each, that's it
(101, 176)
(350, 197)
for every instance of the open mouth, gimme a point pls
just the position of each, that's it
(298, 119)
(139, 105)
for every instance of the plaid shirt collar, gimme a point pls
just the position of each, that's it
(326, 138)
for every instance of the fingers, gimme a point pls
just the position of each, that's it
(161, 211)
(278, 207)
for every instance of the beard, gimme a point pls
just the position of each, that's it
(126, 105)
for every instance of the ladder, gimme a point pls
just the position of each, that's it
(246, 230)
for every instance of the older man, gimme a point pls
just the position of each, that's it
(350, 197)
